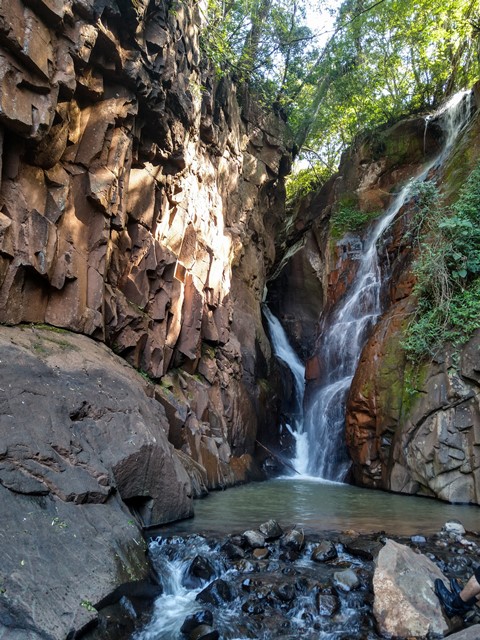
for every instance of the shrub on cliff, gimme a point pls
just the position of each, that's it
(447, 269)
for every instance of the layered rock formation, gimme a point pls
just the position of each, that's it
(138, 206)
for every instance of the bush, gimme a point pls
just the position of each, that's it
(348, 218)
(305, 181)
(447, 271)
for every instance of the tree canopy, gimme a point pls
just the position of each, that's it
(384, 59)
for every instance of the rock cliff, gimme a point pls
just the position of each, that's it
(415, 429)
(139, 201)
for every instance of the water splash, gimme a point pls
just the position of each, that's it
(350, 324)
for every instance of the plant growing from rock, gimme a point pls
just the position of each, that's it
(447, 269)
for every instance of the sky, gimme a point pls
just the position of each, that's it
(321, 20)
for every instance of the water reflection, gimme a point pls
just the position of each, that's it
(320, 506)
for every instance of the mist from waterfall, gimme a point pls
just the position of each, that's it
(318, 429)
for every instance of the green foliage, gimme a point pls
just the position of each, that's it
(304, 181)
(349, 218)
(264, 43)
(386, 60)
(447, 272)
(86, 604)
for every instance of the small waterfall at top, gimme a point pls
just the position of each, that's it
(350, 323)
(284, 352)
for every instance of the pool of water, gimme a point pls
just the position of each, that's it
(320, 506)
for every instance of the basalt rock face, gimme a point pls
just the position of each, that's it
(415, 428)
(139, 204)
(138, 207)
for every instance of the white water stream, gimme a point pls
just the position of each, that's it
(321, 449)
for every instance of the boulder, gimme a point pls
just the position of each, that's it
(405, 603)
(472, 633)
(84, 460)
(327, 604)
(293, 540)
(191, 622)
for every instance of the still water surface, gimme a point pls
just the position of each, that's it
(320, 506)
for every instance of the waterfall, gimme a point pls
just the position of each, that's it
(284, 351)
(351, 322)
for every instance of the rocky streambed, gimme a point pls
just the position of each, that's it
(275, 582)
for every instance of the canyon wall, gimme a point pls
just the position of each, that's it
(139, 201)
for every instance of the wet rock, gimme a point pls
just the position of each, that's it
(261, 554)
(271, 530)
(325, 551)
(253, 607)
(200, 570)
(294, 540)
(363, 548)
(418, 539)
(327, 604)
(232, 551)
(203, 617)
(346, 580)
(405, 602)
(454, 528)
(254, 539)
(245, 566)
(217, 593)
(286, 592)
(204, 632)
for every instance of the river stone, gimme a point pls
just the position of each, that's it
(365, 549)
(252, 607)
(203, 617)
(294, 540)
(204, 632)
(327, 604)
(255, 539)
(232, 551)
(216, 593)
(454, 527)
(286, 592)
(324, 551)
(261, 554)
(271, 530)
(346, 580)
(200, 570)
(405, 603)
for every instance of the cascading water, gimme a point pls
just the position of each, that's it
(351, 322)
(284, 352)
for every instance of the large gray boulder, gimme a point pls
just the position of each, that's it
(472, 633)
(84, 462)
(405, 603)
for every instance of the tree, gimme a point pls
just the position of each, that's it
(386, 60)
